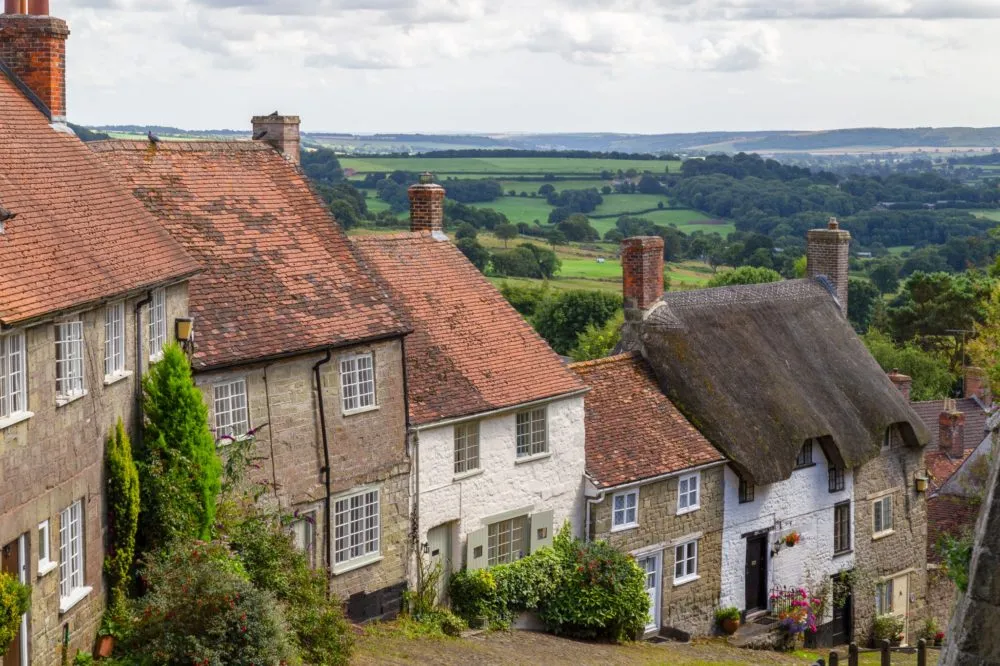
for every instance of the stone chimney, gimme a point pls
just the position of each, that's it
(642, 271)
(904, 383)
(33, 47)
(976, 384)
(826, 254)
(281, 132)
(426, 205)
(951, 429)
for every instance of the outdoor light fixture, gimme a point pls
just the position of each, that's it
(921, 484)
(184, 332)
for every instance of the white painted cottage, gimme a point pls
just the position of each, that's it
(496, 431)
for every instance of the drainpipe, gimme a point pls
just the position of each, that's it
(326, 467)
(412, 446)
(594, 501)
(138, 368)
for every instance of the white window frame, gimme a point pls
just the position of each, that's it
(688, 493)
(466, 448)
(45, 561)
(357, 533)
(13, 378)
(880, 512)
(114, 341)
(156, 311)
(620, 518)
(72, 543)
(686, 557)
(70, 374)
(303, 531)
(357, 391)
(507, 540)
(231, 419)
(532, 432)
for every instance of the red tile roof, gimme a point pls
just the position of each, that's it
(280, 276)
(470, 351)
(633, 431)
(79, 236)
(975, 420)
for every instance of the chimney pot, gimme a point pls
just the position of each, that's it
(38, 7)
(426, 205)
(33, 46)
(827, 255)
(833, 224)
(976, 384)
(951, 430)
(642, 271)
(902, 382)
(282, 132)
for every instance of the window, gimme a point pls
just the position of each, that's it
(13, 389)
(466, 447)
(231, 418)
(157, 312)
(71, 587)
(45, 563)
(506, 541)
(356, 527)
(746, 490)
(69, 359)
(625, 510)
(887, 439)
(883, 597)
(685, 562)
(531, 433)
(836, 479)
(842, 527)
(805, 457)
(114, 340)
(304, 535)
(687, 493)
(882, 514)
(357, 382)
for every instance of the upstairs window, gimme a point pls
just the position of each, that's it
(882, 515)
(157, 311)
(805, 457)
(357, 382)
(887, 438)
(532, 437)
(230, 402)
(842, 527)
(688, 493)
(69, 360)
(114, 340)
(746, 491)
(13, 387)
(836, 479)
(466, 447)
(625, 512)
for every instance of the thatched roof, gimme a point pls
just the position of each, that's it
(759, 369)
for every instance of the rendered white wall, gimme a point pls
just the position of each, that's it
(552, 483)
(801, 503)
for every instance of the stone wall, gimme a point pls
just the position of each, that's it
(904, 551)
(366, 448)
(688, 606)
(55, 457)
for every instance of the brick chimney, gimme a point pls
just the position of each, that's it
(904, 383)
(281, 132)
(826, 254)
(642, 271)
(976, 384)
(33, 47)
(426, 205)
(951, 429)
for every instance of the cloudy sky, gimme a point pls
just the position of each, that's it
(646, 66)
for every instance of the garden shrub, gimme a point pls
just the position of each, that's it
(15, 598)
(201, 608)
(123, 514)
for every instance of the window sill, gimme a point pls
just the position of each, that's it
(115, 378)
(467, 475)
(157, 357)
(359, 410)
(843, 553)
(882, 535)
(45, 567)
(689, 509)
(687, 579)
(63, 400)
(528, 459)
(812, 464)
(626, 527)
(351, 565)
(75, 597)
(15, 419)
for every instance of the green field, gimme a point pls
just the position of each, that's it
(520, 209)
(503, 165)
(686, 220)
(898, 250)
(619, 204)
(991, 214)
(530, 186)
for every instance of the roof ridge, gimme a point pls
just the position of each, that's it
(606, 360)
(197, 145)
(396, 236)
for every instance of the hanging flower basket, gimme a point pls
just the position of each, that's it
(790, 539)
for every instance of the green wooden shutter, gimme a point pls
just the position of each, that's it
(475, 550)
(541, 530)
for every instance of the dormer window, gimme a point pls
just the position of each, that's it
(887, 438)
(805, 457)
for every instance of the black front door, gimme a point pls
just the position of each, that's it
(756, 573)
(840, 633)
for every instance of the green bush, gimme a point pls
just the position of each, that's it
(563, 316)
(887, 627)
(956, 557)
(179, 471)
(123, 514)
(15, 599)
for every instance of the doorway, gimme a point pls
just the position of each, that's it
(756, 573)
(14, 560)
(901, 599)
(651, 564)
(439, 554)
(841, 629)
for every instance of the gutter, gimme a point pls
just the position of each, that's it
(139, 420)
(328, 541)
(498, 411)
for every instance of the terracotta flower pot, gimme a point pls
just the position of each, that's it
(730, 626)
(105, 646)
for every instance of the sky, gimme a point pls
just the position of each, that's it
(498, 66)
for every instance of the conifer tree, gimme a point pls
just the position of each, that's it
(123, 513)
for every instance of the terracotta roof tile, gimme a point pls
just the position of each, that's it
(470, 351)
(280, 276)
(975, 420)
(633, 431)
(79, 236)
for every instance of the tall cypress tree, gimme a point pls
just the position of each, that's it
(123, 513)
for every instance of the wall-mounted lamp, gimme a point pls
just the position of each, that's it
(921, 484)
(184, 332)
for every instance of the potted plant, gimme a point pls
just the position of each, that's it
(887, 627)
(109, 632)
(929, 630)
(729, 619)
(938, 639)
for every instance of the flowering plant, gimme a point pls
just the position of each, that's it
(939, 636)
(792, 538)
(796, 610)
